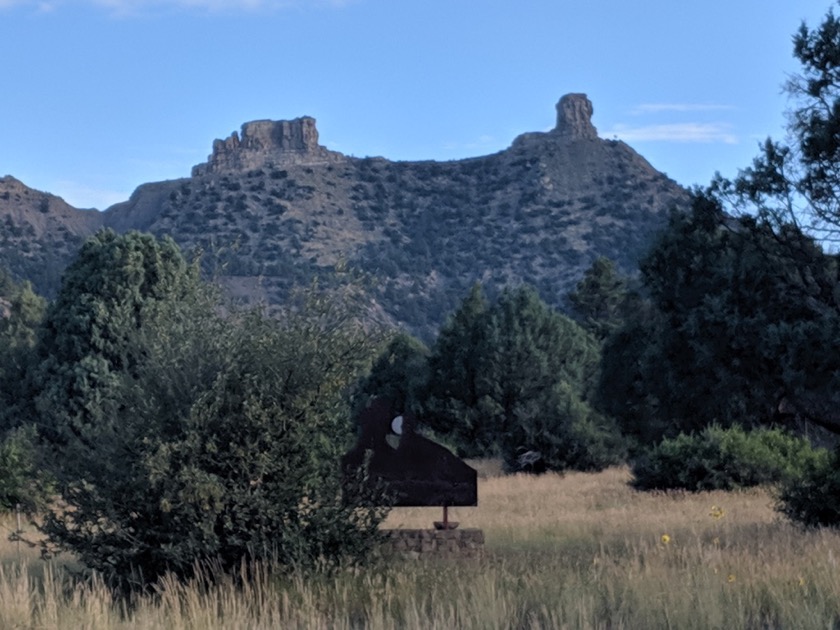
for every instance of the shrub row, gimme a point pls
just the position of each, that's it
(725, 459)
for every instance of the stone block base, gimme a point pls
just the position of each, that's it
(432, 543)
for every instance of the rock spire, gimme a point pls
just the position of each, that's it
(574, 117)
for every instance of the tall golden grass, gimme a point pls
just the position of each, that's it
(574, 551)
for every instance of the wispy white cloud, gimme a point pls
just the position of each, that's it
(40, 6)
(134, 7)
(130, 7)
(714, 132)
(658, 108)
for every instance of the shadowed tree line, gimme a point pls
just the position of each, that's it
(733, 322)
(512, 378)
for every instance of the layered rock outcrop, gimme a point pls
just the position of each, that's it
(268, 143)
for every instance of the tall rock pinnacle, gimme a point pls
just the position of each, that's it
(574, 114)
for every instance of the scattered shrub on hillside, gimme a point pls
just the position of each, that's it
(724, 459)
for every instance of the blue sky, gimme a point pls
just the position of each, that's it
(100, 96)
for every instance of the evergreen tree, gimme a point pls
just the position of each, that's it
(458, 401)
(513, 379)
(798, 182)
(598, 297)
(625, 390)
(400, 373)
(21, 482)
(107, 294)
(542, 366)
(739, 329)
(18, 327)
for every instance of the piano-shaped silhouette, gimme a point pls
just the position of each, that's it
(414, 470)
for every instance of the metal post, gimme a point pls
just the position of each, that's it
(18, 532)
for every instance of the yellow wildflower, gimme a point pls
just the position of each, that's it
(665, 538)
(717, 512)
(730, 578)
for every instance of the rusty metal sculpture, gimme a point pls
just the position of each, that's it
(414, 470)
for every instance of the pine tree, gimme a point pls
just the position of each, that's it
(21, 482)
(458, 402)
(17, 337)
(399, 373)
(738, 330)
(598, 297)
(513, 379)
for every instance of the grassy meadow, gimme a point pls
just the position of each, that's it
(573, 551)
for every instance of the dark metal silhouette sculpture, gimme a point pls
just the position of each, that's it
(414, 470)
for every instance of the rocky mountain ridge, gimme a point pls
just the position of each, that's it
(272, 207)
(40, 233)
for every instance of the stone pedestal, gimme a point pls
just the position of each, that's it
(428, 543)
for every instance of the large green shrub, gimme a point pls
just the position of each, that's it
(177, 435)
(558, 430)
(813, 499)
(724, 459)
(22, 483)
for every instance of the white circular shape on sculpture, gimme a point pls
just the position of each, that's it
(397, 425)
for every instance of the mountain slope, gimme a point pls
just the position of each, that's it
(271, 207)
(40, 233)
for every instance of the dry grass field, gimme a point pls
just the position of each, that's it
(573, 551)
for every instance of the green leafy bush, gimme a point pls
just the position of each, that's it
(177, 436)
(560, 432)
(813, 499)
(724, 459)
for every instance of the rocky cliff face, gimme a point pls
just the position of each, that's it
(267, 143)
(272, 207)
